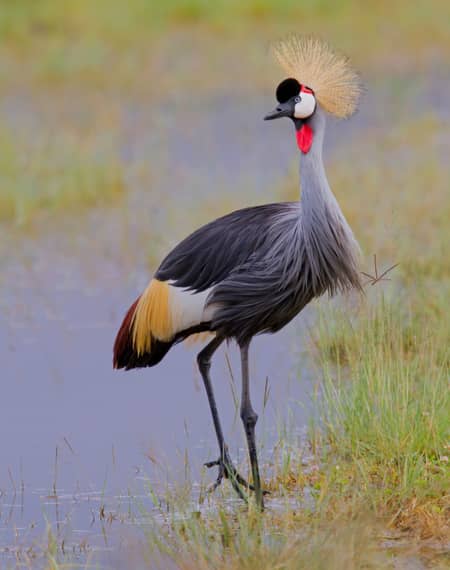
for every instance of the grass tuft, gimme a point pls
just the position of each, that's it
(226, 537)
(385, 416)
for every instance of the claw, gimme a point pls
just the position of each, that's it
(228, 471)
(210, 464)
(220, 475)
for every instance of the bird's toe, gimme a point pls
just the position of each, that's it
(228, 471)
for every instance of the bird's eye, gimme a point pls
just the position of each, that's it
(297, 99)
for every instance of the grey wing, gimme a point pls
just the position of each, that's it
(269, 289)
(211, 253)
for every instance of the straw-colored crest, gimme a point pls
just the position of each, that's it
(312, 62)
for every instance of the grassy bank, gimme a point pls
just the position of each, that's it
(385, 417)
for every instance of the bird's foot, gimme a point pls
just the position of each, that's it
(228, 471)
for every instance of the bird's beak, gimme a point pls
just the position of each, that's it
(282, 110)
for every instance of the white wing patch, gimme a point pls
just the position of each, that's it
(187, 308)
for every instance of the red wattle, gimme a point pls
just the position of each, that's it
(304, 138)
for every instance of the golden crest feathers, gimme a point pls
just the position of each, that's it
(313, 63)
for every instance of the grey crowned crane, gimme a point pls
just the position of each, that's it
(253, 270)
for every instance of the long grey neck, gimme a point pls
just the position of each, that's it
(316, 193)
(330, 246)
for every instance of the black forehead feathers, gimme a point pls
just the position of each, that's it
(286, 89)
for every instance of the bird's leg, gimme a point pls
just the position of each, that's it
(249, 418)
(226, 467)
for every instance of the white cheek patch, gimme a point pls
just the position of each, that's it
(305, 107)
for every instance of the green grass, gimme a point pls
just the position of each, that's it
(385, 415)
(246, 541)
(55, 173)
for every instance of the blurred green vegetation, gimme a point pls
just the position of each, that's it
(111, 41)
(60, 172)
(145, 49)
(122, 23)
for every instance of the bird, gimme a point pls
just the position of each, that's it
(253, 270)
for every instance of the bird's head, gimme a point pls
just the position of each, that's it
(297, 102)
(317, 76)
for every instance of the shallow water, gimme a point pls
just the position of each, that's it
(79, 440)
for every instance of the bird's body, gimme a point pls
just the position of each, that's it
(248, 272)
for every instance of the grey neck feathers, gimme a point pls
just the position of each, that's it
(331, 248)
